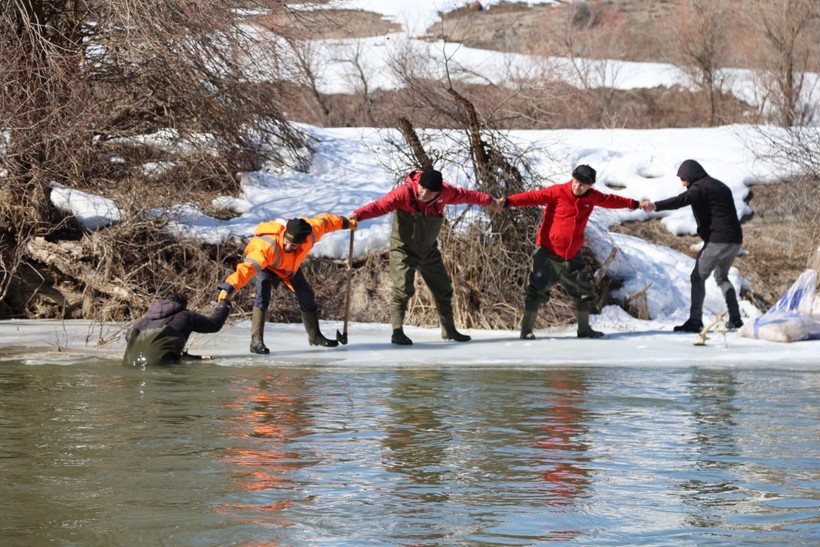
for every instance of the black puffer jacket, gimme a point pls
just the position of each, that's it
(173, 324)
(712, 204)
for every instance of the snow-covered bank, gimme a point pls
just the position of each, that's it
(349, 170)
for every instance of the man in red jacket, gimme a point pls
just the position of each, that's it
(568, 207)
(419, 206)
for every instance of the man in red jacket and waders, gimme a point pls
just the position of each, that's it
(419, 214)
(567, 208)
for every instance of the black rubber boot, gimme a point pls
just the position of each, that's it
(584, 330)
(400, 338)
(257, 332)
(315, 337)
(449, 332)
(527, 324)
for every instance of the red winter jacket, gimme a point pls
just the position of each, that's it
(566, 215)
(404, 197)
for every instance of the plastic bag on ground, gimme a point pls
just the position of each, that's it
(796, 316)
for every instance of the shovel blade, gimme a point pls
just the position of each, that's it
(341, 338)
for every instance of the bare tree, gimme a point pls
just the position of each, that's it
(355, 57)
(698, 44)
(591, 39)
(787, 29)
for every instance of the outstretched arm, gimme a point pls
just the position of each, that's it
(202, 323)
(391, 201)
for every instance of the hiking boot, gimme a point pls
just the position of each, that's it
(691, 325)
(733, 324)
(400, 338)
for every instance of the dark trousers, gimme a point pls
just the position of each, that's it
(717, 258)
(266, 280)
(549, 269)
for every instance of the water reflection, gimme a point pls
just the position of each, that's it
(562, 444)
(416, 440)
(714, 439)
(108, 455)
(269, 415)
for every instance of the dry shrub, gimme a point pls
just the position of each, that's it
(114, 274)
(82, 81)
(488, 278)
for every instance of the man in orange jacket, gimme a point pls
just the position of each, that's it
(273, 256)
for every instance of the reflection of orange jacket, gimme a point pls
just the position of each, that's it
(265, 250)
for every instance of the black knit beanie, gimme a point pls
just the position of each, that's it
(431, 179)
(297, 230)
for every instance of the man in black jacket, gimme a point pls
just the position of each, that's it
(160, 336)
(714, 209)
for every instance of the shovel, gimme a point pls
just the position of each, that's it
(342, 336)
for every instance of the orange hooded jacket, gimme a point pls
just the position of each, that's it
(265, 250)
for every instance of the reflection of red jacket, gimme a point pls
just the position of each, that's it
(404, 197)
(566, 215)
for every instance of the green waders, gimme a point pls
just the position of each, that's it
(414, 247)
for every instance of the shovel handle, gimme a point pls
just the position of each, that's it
(349, 284)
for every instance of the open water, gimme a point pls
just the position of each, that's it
(101, 454)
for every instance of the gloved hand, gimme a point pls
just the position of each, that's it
(351, 223)
(226, 291)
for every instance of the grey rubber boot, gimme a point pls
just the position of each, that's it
(258, 331)
(584, 330)
(527, 324)
(315, 337)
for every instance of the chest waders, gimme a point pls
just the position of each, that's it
(414, 247)
(154, 346)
